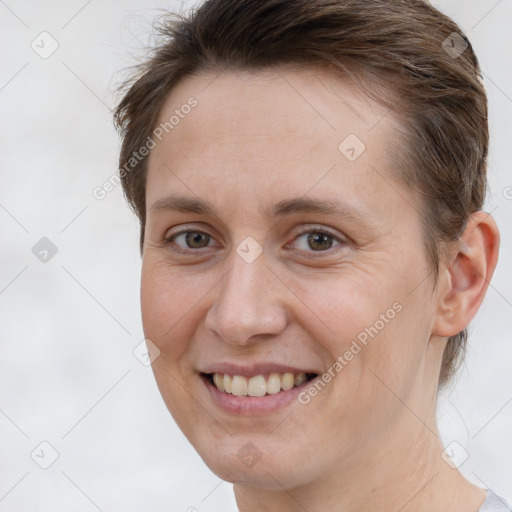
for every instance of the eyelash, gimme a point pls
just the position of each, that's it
(317, 230)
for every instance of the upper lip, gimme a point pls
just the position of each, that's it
(251, 370)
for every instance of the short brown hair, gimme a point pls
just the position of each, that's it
(415, 54)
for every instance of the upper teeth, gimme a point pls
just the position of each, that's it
(257, 385)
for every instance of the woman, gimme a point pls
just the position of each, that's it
(309, 177)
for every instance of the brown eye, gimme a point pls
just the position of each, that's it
(316, 240)
(320, 241)
(196, 239)
(190, 239)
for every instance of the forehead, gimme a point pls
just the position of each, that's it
(255, 103)
(270, 133)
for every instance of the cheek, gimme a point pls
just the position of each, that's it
(169, 317)
(168, 306)
(371, 324)
(345, 310)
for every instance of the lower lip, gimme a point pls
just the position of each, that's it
(252, 405)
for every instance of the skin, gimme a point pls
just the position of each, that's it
(369, 439)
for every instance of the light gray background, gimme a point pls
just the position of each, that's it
(70, 325)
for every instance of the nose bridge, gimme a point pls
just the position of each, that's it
(247, 302)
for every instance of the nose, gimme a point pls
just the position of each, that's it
(249, 305)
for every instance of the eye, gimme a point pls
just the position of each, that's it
(317, 240)
(313, 240)
(190, 239)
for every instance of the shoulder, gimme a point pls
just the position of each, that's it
(493, 503)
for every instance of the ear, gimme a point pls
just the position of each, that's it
(463, 283)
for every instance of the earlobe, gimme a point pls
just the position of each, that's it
(466, 278)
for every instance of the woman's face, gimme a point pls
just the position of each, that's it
(277, 242)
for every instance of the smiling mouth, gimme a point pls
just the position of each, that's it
(258, 385)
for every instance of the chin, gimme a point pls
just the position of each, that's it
(239, 460)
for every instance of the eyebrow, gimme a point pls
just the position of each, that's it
(183, 204)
